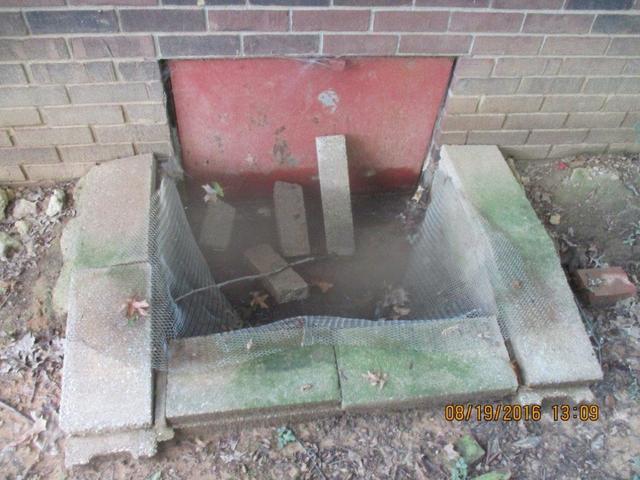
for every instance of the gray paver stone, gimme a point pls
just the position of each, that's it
(291, 219)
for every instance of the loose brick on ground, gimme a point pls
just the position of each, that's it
(604, 286)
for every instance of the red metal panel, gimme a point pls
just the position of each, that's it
(250, 122)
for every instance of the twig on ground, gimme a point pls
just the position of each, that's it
(312, 455)
(17, 412)
(245, 278)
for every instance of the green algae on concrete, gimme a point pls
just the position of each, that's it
(475, 366)
(538, 310)
(113, 203)
(202, 391)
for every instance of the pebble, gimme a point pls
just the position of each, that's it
(23, 208)
(56, 203)
(555, 219)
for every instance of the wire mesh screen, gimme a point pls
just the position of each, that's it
(459, 267)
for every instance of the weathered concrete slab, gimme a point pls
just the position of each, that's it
(112, 224)
(217, 226)
(551, 349)
(462, 360)
(336, 194)
(107, 377)
(280, 384)
(285, 286)
(291, 219)
(137, 443)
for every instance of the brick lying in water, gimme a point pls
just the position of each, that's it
(217, 226)
(291, 219)
(285, 286)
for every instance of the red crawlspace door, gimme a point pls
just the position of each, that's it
(246, 123)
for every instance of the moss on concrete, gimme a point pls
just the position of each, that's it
(300, 376)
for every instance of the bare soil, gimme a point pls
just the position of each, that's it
(417, 444)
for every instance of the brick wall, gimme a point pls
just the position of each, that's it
(80, 82)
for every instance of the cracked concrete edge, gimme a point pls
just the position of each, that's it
(567, 395)
(80, 450)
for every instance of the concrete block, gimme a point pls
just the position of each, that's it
(137, 443)
(291, 219)
(201, 391)
(547, 337)
(462, 360)
(217, 226)
(285, 286)
(336, 194)
(113, 202)
(604, 286)
(107, 382)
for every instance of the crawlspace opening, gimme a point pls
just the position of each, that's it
(367, 284)
(244, 125)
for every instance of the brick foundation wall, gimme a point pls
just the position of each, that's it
(80, 79)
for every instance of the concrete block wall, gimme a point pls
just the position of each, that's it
(80, 83)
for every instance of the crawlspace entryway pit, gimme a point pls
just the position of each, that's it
(449, 290)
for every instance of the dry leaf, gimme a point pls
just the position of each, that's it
(306, 387)
(377, 379)
(322, 285)
(135, 308)
(258, 299)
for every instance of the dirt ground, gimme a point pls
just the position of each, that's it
(591, 206)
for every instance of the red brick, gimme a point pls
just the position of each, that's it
(472, 122)
(360, 44)
(625, 47)
(280, 44)
(519, 67)
(132, 3)
(528, 4)
(31, 3)
(453, 3)
(199, 45)
(411, 21)
(591, 66)
(72, 21)
(551, 23)
(604, 286)
(506, 45)
(114, 46)
(485, 22)
(373, 3)
(11, 173)
(555, 137)
(162, 20)
(33, 49)
(574, 45)
(435, 44)
(473, 67)
(484, 86)
(330, 20)
(12, 24)
(249, 20)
